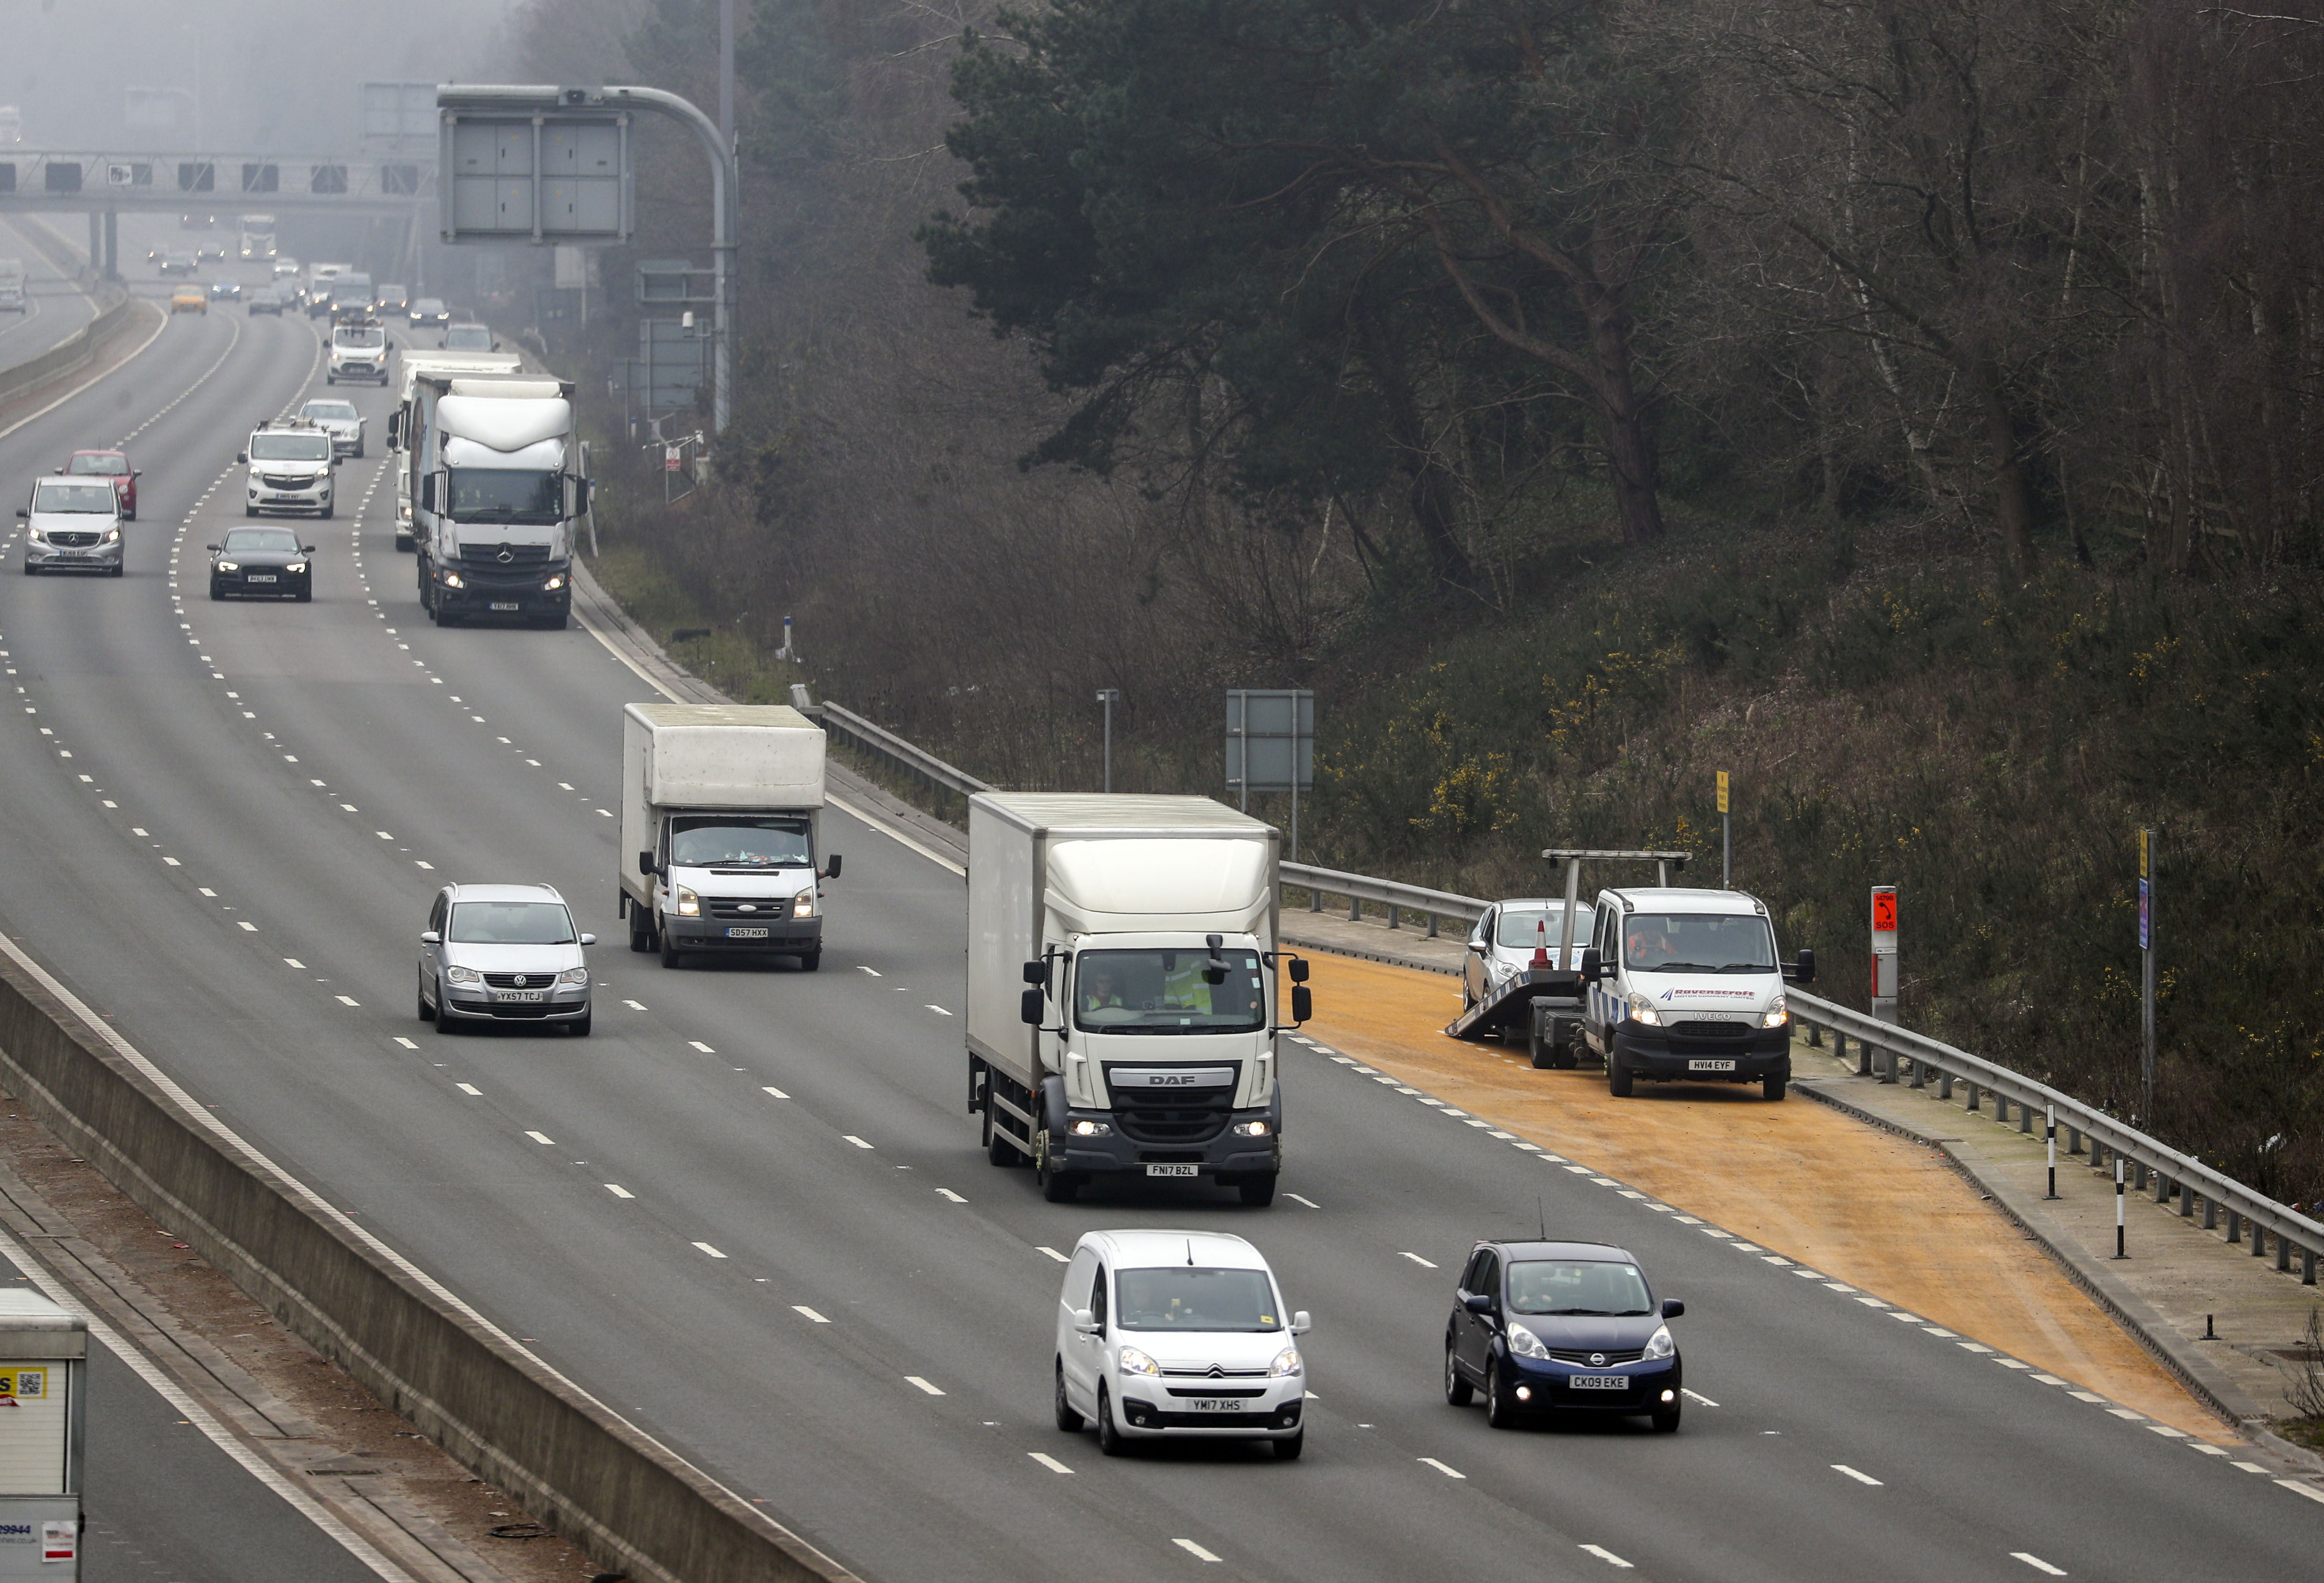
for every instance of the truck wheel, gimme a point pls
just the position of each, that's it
(671, 955)
(1617, 1076)
(1257, 1192)
(1457, 1391)
(1057, 1186)
(1067, 1419)
(1772, 1088)
(1542, 1052)
(809, 960)
(641, 938)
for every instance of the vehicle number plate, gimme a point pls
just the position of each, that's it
(1711, 1066)
(505, 605)
(523, 995)
(1210, 1404)
(1174, 1170)
(746, 934)
(262, 576)
(1600, 1382)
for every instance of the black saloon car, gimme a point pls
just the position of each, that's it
(1544, 1326)
(262, 560)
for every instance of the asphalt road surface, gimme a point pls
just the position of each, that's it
(751, 1211)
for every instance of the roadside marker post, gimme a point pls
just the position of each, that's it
(1726, 840)
(2119, 1206)
(2050, 1138)
(1883, 952)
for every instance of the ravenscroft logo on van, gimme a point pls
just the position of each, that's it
(1711, 994)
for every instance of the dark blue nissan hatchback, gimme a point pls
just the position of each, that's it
(1561, 1327)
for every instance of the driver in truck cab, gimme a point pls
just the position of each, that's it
(1100, 992)
(1649, 946)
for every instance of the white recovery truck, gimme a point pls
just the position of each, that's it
(722, 809)
(1122, 996)
(450, 364)
(494, 500)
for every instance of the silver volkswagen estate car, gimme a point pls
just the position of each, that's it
(504, 953)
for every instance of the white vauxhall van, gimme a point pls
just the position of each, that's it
(1685, 986)
(1177, 1335)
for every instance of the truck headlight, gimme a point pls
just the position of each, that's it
(1642, 1011)
(574, 976)
(450, 579)
(1285, 1364)
(1778, 1013)
(1250, 1129)
(1524, 1342)
(1089, 1128)
(1133, 1361)
(803, 904)
(689, 906)
(1659, 1345)
(553, 584)
(460, 975)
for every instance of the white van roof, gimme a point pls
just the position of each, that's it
(1654, 898)
(1142, 1249)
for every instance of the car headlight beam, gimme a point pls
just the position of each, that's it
(689, 906)
(462, 975)
(1133, 1361)
(1660, 1346)
(1287, 1364)
(1778, 1013)
(1642, 1011)
(579, 975)
(803, 904)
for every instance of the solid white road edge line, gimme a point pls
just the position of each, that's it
(199, 1417)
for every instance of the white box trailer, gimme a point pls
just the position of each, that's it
(722, 809)
(1123, 988)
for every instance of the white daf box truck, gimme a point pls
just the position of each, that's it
(722, 807)
(1122, 1010)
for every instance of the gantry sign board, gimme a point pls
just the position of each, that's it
(555, 172)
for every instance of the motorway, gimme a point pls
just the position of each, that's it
(54, 307)
(749, 1211)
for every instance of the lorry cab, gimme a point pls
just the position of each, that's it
(1685, 986)
(1122, 1004)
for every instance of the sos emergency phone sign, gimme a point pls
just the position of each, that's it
(1883, 911)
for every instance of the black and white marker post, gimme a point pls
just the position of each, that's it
(2118, 1251)
(2050, 1138)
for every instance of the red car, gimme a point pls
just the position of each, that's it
(110, 465)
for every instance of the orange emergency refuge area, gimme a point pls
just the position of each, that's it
(1868, 1207)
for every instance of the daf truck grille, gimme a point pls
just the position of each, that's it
(1180, 1119)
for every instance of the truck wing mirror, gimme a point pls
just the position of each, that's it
(831, 869)
(427, 492)
(1592, 970)
(1030, 1008)
(1303, 1003)
(646, 863)
(1802, 971)
(243, 456)
(1298, 970)
(1037, 972)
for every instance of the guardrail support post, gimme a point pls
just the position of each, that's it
(2001, 1108)
(2161, 1188)
(2025, 1119)
(2186, 1201)
(1355, 909)
(2282, 1253)
(1315, 900)
(1815, 1036)
(1431, 926)
(2259, 1241)
(2073, 1140)
(1972, 1095)
(1945, 1086)
(2235, 1229)
(1885, 1060)
(2210, 1213)
(2307, 1266)
(1920, 1070)
(1394, 913)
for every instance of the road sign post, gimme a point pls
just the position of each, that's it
(2146, 976)
(1726, 845)
(1271, 745)
(1883, 952)
(1109, 697)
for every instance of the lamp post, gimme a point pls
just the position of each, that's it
(1109, 696)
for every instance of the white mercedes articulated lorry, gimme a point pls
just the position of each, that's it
(722, 809)
(447, 364)
(1122, 986)
(494, 500)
